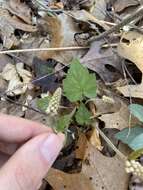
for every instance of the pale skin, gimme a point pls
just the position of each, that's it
(27, 151)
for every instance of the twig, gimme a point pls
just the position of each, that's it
(108, 23)
(52, 49)
(120, 154)
(130, 97)
(74, 48)
(127, 20)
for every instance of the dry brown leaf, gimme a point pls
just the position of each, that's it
(131, 48)
(135, 91)
(4, 60)
(13, 74)
(8, 24)
(95, 140)
(120, 5)
(119, 119)
(29, 42)
(99, 61)
(57, 28)
(98, 172)
(60, 180)
(105, 107)
(84, 16)
(99, 10)
(81, 146)
(21, 10)
(107, 173)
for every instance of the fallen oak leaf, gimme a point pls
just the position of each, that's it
(94, 174)
(131, 48)
(70, 181)
(118, 119)
(98, 61)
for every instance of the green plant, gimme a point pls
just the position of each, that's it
(78, 86)
(79, 83)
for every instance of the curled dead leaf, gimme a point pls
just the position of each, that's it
(21, 10)
(17, 76)
(95, 140)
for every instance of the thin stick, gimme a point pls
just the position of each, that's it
(45, 49)
(127, 20)
(120, 154)
(53, 49)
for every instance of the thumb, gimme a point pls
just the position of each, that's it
(27, 167)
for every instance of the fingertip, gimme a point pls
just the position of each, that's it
(61, 137)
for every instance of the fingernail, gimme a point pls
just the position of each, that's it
(51, 147)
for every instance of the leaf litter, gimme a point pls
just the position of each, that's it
(96, 86)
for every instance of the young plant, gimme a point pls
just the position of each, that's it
(78, 86)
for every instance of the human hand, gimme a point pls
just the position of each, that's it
(27, 151)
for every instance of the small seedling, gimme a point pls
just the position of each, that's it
(78, 86)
